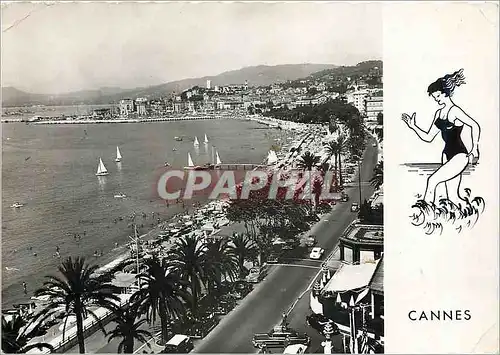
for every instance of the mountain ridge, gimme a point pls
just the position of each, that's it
(259, 75)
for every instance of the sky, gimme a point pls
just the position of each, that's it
(74, 46)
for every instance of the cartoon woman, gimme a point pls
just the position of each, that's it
(449, 119)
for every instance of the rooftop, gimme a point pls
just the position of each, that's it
(351, 277)
(365, 233)
(177, 339)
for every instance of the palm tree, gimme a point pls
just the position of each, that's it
(219, 261)
(341, 146)
(189, 258)
(128, 328)
(334, 149)
(75, 293)
(243, 249)
(16, 335)
(331, 148)
(162, 293)
(378, 175)
(308, 161)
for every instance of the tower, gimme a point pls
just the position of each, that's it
(209, 83)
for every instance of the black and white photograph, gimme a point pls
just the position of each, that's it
(192, 177)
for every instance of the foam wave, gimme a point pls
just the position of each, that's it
(433, 217)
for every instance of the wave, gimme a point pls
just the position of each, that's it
(435, 217)
(11, 268)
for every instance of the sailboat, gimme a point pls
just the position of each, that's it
(196, 143)
(101, 169)
(191, 165)
(118, 155)
(190, 162)
(272, 157)
(206, 139)
(217, 161)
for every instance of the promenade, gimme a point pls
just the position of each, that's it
(97, 342)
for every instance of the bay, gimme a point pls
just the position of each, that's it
(51, 169)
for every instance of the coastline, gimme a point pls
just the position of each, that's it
(268, 121)
(153, 232)
(118, 254)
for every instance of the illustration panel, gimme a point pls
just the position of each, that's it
(441, 84)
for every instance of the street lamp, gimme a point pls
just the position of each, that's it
(136, 240)
(358, 159)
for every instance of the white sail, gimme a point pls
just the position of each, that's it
(206, 139)
(218, 161)
(118, 155)
(272, 157)
(190, 161)
(196, 143)
(101, 169)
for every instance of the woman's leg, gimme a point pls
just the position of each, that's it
(453, 187)
(446, 172)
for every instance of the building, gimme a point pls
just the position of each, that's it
(358, 100)
(101, 113)
(126, 107)
(361, 243)
(209, 84)
(373, 106)
(353, 297)
(141, 106)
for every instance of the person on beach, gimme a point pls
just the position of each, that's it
(25, 288)
(449, 119)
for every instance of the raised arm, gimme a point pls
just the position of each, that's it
(426, 136)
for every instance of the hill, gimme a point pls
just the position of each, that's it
(363, 68)
(261, 75)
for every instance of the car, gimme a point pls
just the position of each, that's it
(374, 144)
(311, 241)
(273, 258)
(280, 337)
(345, 197)
(291, 244)
(178, 344)
(255, 275)
(316, 253)
(295, 349)
(318, 322)
(354, 207)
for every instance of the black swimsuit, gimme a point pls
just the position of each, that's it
(451, 136)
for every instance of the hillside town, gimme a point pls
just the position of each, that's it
(360, 86)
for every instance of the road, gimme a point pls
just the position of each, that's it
(263, 307)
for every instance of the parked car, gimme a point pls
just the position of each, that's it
(273, 258)
(178, 344)
(295, 349)
(311, 241)
(316, 253)
(255, 275)
(241, 288)
(291, 244)
(354, 207)
(318, 322)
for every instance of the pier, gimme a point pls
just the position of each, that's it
(120, 120)
(237, 166)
